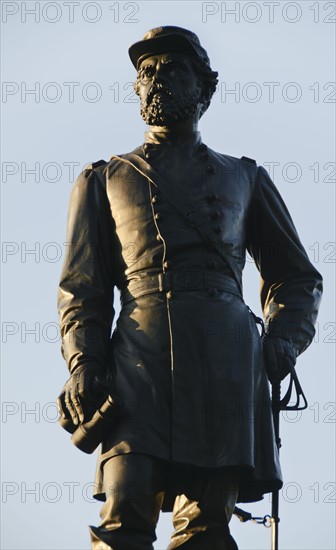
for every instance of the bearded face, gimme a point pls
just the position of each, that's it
(169, 90)
(162, 110)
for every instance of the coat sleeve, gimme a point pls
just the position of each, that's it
(85, 297)
(291, 287)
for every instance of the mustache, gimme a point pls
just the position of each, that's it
(158, 87)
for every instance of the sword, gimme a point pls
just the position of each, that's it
(274, 519)
(278, 405)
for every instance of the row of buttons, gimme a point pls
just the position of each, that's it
(211, 197)
(214, 214)
(210, 168)
(148, 150)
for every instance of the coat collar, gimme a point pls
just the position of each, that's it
(189, 139)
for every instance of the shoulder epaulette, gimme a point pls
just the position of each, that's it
(93, 165)
(252, 161)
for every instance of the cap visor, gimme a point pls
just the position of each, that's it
(161, 44)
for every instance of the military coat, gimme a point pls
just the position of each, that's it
(169, 226)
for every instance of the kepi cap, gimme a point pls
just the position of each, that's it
(167, 39)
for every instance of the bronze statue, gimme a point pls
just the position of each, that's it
(169, 225)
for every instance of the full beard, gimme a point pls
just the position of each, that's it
(162, 110)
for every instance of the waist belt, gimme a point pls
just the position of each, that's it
(173, 281)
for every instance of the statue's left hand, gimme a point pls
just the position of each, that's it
(82, 394)
(279, 356)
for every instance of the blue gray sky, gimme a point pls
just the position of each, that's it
(67, 100)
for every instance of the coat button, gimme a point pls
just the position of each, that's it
(167, 265)
(217, 229)
(154, 199)
(169, 294)
(158, 237)
(203, 149)
(157, 216)
(210, 169)
(212, 197)
(215, 214)
(147, 147)
(148, 155)
(213, 264)
(212, 292)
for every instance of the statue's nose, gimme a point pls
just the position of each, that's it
(160, 74)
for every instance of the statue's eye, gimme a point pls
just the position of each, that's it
(147, 72)
(176, 69)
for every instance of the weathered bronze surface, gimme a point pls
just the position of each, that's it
(169, 224)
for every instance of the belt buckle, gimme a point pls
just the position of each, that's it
(165, 282)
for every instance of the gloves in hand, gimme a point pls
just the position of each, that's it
(279, 356)
(86, 389)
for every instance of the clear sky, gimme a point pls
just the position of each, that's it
(67, 100)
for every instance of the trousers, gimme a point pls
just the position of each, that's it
(135, 485)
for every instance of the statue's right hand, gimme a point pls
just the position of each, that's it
(82, 394)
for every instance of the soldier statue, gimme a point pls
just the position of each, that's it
(169, 225)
